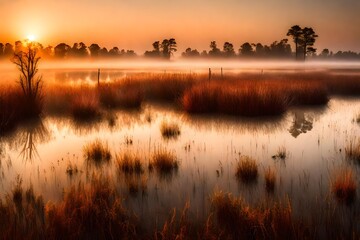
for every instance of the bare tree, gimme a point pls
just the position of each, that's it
(27, 61)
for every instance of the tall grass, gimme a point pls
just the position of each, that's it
(169, 129)
(129, 163)
(270, 180)
(121, 95)
(344, 186)
(97, 152)
(164, 161)
(247, 169)
(237, 220)
(352, 150)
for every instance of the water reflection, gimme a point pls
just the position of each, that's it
(80, 76)
(301, 123)
(32, 134)
(241, 124)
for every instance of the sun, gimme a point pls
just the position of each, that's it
(31, 37)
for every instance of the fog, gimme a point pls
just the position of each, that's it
(86, 70)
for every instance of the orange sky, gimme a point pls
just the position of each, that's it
(135, 24)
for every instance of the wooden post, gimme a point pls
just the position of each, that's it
(222, 73)
(98, 77)
(209, 74)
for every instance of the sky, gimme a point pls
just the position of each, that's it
(136, 24)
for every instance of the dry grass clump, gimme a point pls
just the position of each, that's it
(237, 220)
(22, 215)
(129, 164)
(164, 161)
(16, 108)
(270, 179)
(90, 212)
(169, 130)
(306, 92)
(97, 152)
(164, 86)
(85, 106)
(120, 95)
(244, 99)
(352, 150)
(247, 169)
(344, 186)
(281, 153)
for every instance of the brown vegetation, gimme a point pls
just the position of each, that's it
(344, 186)
(352, 150)
(169, 130)
(97, 152)
(247, 169)
(270, 179)
(164, 161)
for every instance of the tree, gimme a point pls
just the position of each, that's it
(325, 53)
(229, 49)
(307, 40)
(155, 52)
(114, 52)
(296, 33)
(8, 50)
(27, 61)
(246, 49)
(61, 50)
(168, 46)
(1, 50)
(280, 49)
(94, 50)
(215, 51)
(190, 53)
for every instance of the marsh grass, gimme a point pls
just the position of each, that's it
(120, 95)
(238, 220)
(90, 212)
(270, 180)
(352, 150)
(343, 186)
(281, 153)
(129, 163)
(247, 170)
(71, 169)
(164, 161)
(169, 129)
(85, 107)
(97, 152)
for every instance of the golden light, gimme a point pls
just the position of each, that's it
(31, 37)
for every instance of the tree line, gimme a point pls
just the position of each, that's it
(304, 40)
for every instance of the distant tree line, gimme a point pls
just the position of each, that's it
(303, 38)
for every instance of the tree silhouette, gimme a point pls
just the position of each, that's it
(214, 50)
(280, 49)
(8, 50)
(296, 33)
(190, 53)
(308, 39)
(94, 50)
(155, 52)
(61, 50)
(246, 49)
(114, 52)
(26, 61)
(168, 46)
(1, 50)
(229, 49)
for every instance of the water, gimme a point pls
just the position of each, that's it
(208, 149)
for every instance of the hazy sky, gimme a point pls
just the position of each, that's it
(136, 24)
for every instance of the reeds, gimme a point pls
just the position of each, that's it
(352, 150)
(120, 95)
(164, 161)
(247, 169)
(270, 179)
(344, 186)
(169, 129)
(85, 106)
(237, 220)
(97, 152)
(129, 163)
